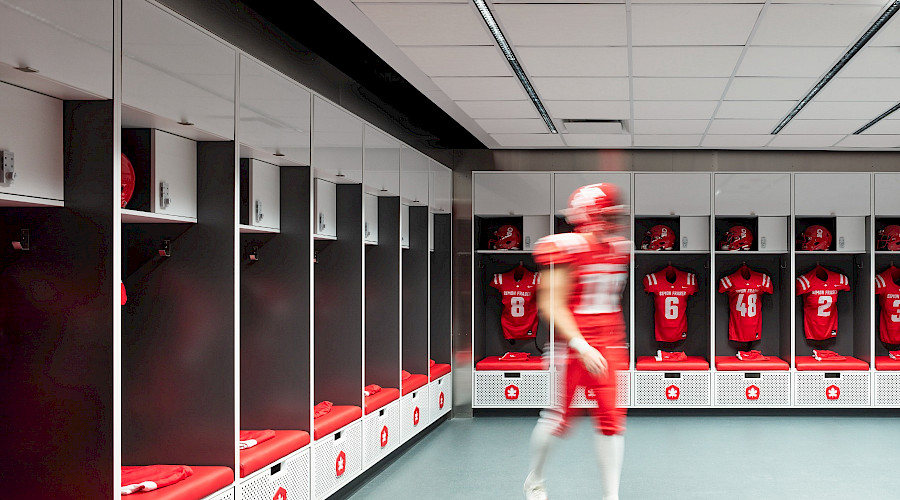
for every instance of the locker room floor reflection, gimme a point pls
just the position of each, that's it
(667, 458)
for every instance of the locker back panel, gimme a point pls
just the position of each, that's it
(383, 298)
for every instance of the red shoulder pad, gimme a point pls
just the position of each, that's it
(560, 248)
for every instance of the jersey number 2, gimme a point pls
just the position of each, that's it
(825, 302)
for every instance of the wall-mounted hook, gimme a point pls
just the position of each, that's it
(315, 257)
(783, 263)
(24, 243)
(254, 253)
(166, 249)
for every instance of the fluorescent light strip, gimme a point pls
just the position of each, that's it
(514, 63)
(863, 40)
(880, 117)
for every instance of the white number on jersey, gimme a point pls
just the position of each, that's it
(896, 317)
(747, 309)
(601, 289)
(825, 302)
(517, 309)
(671, 311)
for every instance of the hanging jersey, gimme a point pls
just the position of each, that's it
(820, 318)
(519, 317)
(599, 271)
(671, 297)
(744, 304)
(888, 293)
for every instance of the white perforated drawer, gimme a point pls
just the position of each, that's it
(581, 400)
(225, 494)
(288, 478)
(671, 389)
(833, 389)
(381, 433)
(336, 459)
(753, 389)
(440, 392)
(887, 389)
(414, 413)
(525, 389)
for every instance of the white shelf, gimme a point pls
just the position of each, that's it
(828, 252)
(138, 217)
(886, 252)
(518, 252)
(321, 237)
(244, 228)
(15, 200)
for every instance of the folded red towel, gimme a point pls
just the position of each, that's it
(430, 362)
(322, 409)
(249, 439)
(371, 389)
(670, 356)
(151, 477)
(405, 375)
(753, 355)
(823, 355)
(514, 356)
(894, 354)
(124, 295)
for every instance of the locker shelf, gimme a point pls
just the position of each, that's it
(139, 217)
(245, 228)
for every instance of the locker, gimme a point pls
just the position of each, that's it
(523, 193)
(772, 234)
(742, 194)
(337, 143)
(173, 174)
(370, 223)
(694, 233)
(326, 209)
(886, 188)
(265, 195)
(823, 194)
(404, 226)
(684, 194)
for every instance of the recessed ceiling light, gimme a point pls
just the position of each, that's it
(185, 122)
(278, 154)
(514, 63)
(27, 69)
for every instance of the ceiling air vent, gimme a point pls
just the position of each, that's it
(594, 126)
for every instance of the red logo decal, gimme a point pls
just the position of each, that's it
(673, 392)
(833, 392)
(752, 393)
(340, 465)
(281, 494)
(416, 416)
(441, 401)
(384, 436)
(511, 392)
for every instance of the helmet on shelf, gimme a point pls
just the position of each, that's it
(127, 180)
(506, 237)
(889, 238)
(595, 207)
(737, 238)
(659, 237)
(815, 237)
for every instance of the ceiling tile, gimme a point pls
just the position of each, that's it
(499, 109)
(735, 141)
(861, 89)
(667, 141)
(804, 141)
(884, 127)
(585, 110)
(804, 127)
(679, 89)
(842, 2)
(649, 127)
(547, 1)
(754, 109)
(693, 24)
(565, 24)
(826, 110)
(870, 141)
(528, 140)
(746, 127)
(875, 62)
(411, 1)
(597, 140)
(814, 25)
(674, 110)
(429, 23)
(581, 89)
(695, 1)
(466, 60)
(750, 88)
(789, 61)
(512, 125)
(684, 61)
(574, 61)
(481, 88)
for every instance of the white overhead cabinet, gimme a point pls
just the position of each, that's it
(382, 163)
(746, 194)
(404, 226)
(325, 223)
(31, 147)
(337, 143)
(174, 76)
(831, 194)
(887, 194)
(440, 195)
(370, 219)
(173, 167)
(525, 193)
(565, 183)
(415, 176)
(274, 114)
(265, 195)
(683, 194)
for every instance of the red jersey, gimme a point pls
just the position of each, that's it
(672, 288)
(744, 289)
(820, 319)
(519, 318)
(888, 292)
(599, 272)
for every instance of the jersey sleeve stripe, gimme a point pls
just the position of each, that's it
(728, 281)
(879, 281)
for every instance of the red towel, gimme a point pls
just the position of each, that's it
(823, 355)
(514, 356)
(753, 355)
(894, 354)
(322, 409)
(371, 389)
(430, 362)
(124, 295)
(670, 356)
(249, 439)
(151, 477)
(405, 375)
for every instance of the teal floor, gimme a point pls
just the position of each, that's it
(666, 458)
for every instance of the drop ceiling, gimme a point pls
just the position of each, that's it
(698, 74)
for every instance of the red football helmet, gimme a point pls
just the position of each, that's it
(506, 237)
(889, 238)
(594, 208)
(815, 237)
(127, 180)
(737, 238)
(659, 237)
